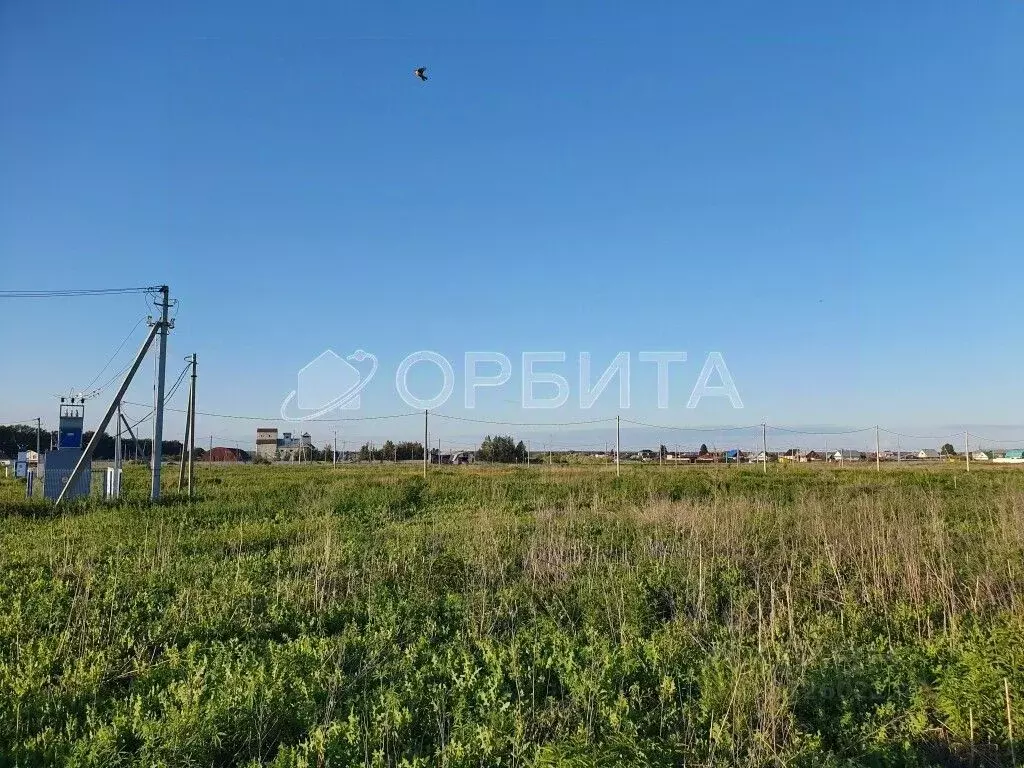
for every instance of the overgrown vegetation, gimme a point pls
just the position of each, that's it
(511, 616)
(502, 449)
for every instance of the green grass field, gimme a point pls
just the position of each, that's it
(365, 616)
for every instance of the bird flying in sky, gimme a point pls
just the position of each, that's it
(421, 73)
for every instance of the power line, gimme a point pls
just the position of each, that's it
(110, 360)
(523, 423)
(994, 441)
(278, 418)
(541, 425)
(691, 429)
(177, 383)
(167, 397)
(144, 418)
(819, 432)
(109, 381)
(920, 437)
(69, 292)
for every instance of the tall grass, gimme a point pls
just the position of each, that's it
(365, 616)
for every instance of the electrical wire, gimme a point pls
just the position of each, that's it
(69, 292)
(144, 418)
(523, 423)
(90, 393)
(918, 437)
(177, 383)
(994, 441)
(607, 420)
(278, 418)
(109, 381)
(819, 432)
(690, 429)
(167, 396)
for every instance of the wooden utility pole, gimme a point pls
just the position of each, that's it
(617, 446)
(764, 447)
(192, 425)
(188, 425)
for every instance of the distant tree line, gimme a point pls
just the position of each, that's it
(502, 449)
(19, 437)
(391, 451)
(14, 438)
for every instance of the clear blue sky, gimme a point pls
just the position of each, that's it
(829, 194)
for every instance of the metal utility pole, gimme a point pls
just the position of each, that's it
(90, 449)
(38, 432)
(425, 437)
(617, 444)
(967, 449)
(158, 418)
(334, 456)
(878, 458)
(764, 447)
